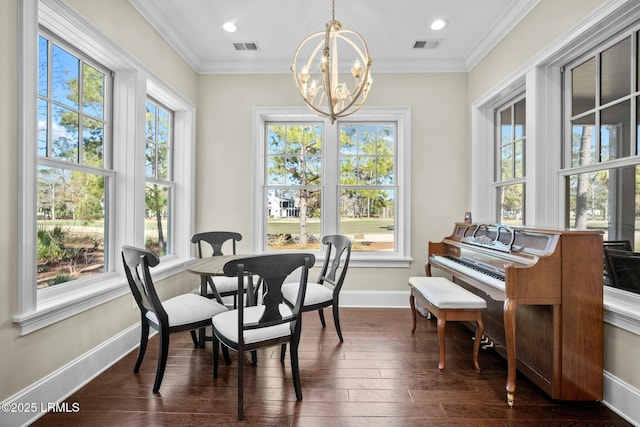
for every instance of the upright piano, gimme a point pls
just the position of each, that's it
(544, 296)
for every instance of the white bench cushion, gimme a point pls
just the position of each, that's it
(445, 294)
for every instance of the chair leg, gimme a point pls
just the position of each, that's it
(295, 370)
(254, 357)
(225, 353)
(162, 358)
(202, 337)
(216, 345)
(144, 338)
(240, 384)
(336, 320)
(283, 352)
(321, 313)
(194, 337)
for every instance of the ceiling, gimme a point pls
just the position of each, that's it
(391, 28)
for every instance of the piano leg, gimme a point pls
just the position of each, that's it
(509, 312)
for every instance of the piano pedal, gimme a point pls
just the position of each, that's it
(486, 343)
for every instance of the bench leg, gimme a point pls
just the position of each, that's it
(476, 343)
(441, 324)
(412, 303)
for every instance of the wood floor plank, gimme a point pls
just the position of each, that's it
(381, 375)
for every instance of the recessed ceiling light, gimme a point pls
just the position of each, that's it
(439, 24)
(229, 27)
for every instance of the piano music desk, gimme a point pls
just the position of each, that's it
(448, 301)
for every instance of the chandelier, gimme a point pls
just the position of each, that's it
(328, 88)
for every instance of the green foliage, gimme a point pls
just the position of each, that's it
(61, 277)
(51, 245)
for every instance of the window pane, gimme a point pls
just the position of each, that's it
(92, 139)
(615, 126)
(519, 159)
(506, 162)
(43, 127)
(583, 147)
(64, 77)
(294, 219)
(506, 130)
(583, 87)
(615, 72)
(368, 217)
(43, 66)
(294, 154)
(64, 134)
(519, 115)
(367, 154)
(92, 91)
(71, 225)
(151, 121)
(607, 200)
(157, 223)
(511, 199)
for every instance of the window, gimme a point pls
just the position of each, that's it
(74, 167)
(601, 147)
(350, 178)
(83, 158)
(510, 162)
(159, 188)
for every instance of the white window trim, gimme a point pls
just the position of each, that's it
(401, 115)
(541, 78)
(132, 83)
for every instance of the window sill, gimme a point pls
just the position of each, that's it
(621, 309)
(56, 306)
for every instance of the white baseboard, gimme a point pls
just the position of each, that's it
(622, 398)
(32, 402)
(619, 396)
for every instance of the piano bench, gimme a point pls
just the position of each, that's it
(448, 301)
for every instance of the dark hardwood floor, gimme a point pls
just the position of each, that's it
(381, 375)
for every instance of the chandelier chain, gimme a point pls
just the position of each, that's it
(333, 10)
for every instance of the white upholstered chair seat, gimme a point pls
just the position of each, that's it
(188, 308)
(226, 325)
(316, 293)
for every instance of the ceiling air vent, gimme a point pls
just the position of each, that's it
(250, 46)
(427, 44)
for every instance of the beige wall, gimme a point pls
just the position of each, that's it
(546, 23)
(550, 20)
(28, 359)
(439, 156)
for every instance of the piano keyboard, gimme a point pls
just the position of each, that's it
(490, 278)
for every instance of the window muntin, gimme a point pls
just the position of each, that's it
(510, 154)
(73, 174)
(158, 169)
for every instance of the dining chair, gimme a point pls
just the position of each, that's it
(624, 270)
(325, 292)
(213, 242)
(248, 328)
(186, 312)
(623, 245)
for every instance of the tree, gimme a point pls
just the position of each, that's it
(294, 161)
(582, 189)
